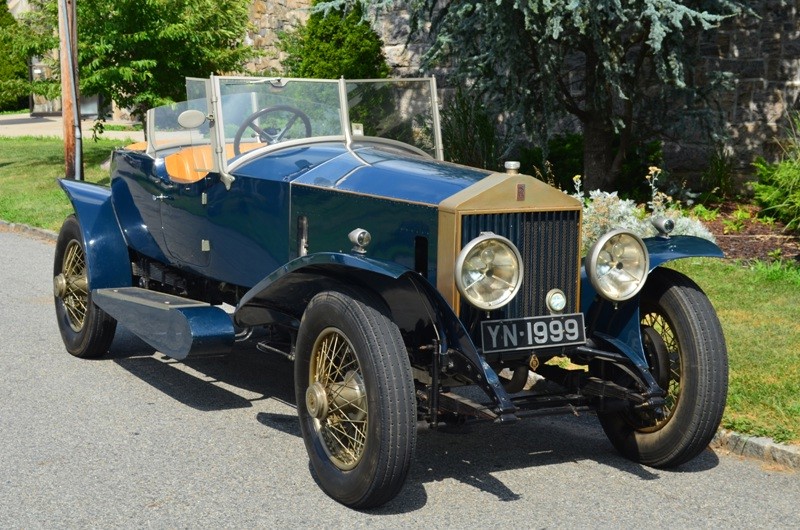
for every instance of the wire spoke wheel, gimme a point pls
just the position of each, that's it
(355, 397)
(86, 329)
(664, 353)
(341, 421)
(75, 285)
(687, 356)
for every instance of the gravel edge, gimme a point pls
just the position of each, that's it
(760, 448)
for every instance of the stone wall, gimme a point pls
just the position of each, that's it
(269, 18)
(762, 52)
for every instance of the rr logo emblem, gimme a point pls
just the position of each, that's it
(520, 192)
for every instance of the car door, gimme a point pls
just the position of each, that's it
(183, 207)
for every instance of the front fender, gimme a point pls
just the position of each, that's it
(287, 290)
(618, 324)
(107, 260)
(414, 303)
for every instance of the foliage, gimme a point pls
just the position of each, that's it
(32, 35)
(704, 213)
(564, 155)
(778, 186)
(13, 66)
(617, 66)
(718, 176)
(604, 211)
(468, 133)
(137, 53)
(333, 45)
(778, 190)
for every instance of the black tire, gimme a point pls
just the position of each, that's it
(681, 331)
(355, 398)
(86, 329)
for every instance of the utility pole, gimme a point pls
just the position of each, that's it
(70, 109)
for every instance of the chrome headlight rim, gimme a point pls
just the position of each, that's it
(467, 252)
(592, 258)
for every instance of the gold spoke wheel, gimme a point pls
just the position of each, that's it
(658, 323)
(336, 399)
(72, 286)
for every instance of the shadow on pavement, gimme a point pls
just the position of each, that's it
(475, 455)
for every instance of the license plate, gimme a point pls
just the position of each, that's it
(532, 333)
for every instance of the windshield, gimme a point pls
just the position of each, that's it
(247, 113)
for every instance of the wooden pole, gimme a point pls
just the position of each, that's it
(70, 110)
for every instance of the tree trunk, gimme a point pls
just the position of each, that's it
(599, 170)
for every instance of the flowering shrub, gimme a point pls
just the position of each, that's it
(604, 211)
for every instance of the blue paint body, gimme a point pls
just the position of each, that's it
(248, 236)
(107, 258)
(620, 325)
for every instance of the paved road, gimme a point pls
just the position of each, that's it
(137, 440)
(25, 125)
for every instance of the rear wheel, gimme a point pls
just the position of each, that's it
(355, 398)
(686, 351)
(86, 329)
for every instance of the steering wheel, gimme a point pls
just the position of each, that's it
(270, 134)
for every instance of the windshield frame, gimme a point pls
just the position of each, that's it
(225, 164)
(399, 112)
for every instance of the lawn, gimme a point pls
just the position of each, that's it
(759, 305)
(29, 168)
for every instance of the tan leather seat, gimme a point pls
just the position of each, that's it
(192, 164)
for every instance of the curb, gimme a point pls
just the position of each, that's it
(34, 231)
(760, 448)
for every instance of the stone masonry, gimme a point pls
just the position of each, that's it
(761, 51)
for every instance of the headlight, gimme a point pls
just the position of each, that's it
(617, 265)
(489, 271)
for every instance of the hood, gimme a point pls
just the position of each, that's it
(389, 173)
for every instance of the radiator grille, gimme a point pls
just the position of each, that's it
(549, 244)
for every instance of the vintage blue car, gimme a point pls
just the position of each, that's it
(318, 220)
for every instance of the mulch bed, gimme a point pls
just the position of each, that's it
(756, 240)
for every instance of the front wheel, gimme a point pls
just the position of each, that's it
(86, 329)
(355, 398)
(686, 351)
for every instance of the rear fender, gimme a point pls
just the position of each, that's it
(107, 260)
(416, 306)
(618, 324)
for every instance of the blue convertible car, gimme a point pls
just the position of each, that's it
(317, 220)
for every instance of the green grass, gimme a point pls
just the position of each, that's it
(759, 305)
(29, 168)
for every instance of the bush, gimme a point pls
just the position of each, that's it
(778, 186)
(334, 44)
(565, 159)
(604, 211)
(778, 189)
(468, 134)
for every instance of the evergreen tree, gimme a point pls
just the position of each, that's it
(621, 67)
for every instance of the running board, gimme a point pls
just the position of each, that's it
(175, 326)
